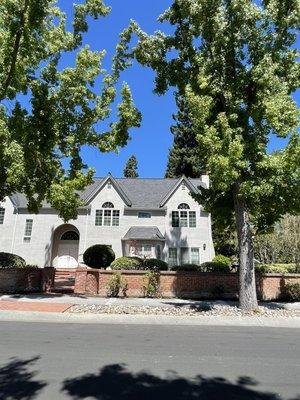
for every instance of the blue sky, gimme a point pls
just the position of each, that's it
(151, 142)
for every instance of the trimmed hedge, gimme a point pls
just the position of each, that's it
(153, 264)
(9, 260)
(278, 268)
(222, 260)
(136, 263)
(127, 263)
(292, 291)
(99, 256)
(186, 267)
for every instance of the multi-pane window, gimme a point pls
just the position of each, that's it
(2, 213)
(184, 218)
(107, 216)
(28, 230)
(192, 219)
(144, 215)
(98, 217)
(172, 256)
(195, 258)
(175, 219)
(116, 218)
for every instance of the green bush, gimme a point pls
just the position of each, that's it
(212, 266)
(292, 291)
(8, 260)
(99, 256)
(222, 260)
(116, 284)
(278, 268)
(151, 284)
(186, 267)
(153, 264)
(128, 263)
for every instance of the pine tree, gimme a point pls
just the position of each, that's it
(130, 170)
(184, 156)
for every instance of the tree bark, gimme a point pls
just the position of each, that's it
(247, 286)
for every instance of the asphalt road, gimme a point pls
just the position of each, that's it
(108, 362)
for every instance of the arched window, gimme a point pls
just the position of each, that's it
(183, 206)
(106, 216)
(108, 204)
(70, 235)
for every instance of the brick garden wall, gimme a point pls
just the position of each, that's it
(183, 284)
(26, 280)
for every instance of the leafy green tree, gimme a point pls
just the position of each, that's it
(282, 245)
(235, 62)
(47, 113)
(183, 156)
(130, 170)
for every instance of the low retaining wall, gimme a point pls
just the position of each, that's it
(183, 284)
(171, 284)
(26, 280)
(271, 286)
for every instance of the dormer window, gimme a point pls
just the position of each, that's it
(107, 216)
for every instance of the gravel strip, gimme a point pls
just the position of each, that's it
(209, 310)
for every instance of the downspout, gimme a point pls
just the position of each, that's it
(85, 233)
(14, 231)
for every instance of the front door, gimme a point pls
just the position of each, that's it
(67, 252)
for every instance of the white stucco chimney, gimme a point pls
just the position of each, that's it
(205, 179)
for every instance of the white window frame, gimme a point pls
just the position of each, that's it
(2, 215)
(172, 260)
(107, 215)
(28, 230)
(197, 251)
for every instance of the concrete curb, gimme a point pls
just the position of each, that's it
(149, 319)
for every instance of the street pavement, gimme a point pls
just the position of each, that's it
(119, 361)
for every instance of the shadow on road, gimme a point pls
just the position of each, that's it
(17, 381)
(116, 382)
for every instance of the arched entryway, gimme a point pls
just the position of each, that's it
(65, 246)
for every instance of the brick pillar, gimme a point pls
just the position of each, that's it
(80, 280)
(47, 279)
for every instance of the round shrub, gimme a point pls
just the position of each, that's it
(128, 263)
(154, 264)
(186, 267)
(214, 267)
(8, 260)
(99, 256)
(222, 260)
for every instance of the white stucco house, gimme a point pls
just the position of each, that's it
(146, 217)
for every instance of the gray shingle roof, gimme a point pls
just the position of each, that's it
(144, 232)
(143, 192)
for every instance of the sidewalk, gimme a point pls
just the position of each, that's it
(68, 300)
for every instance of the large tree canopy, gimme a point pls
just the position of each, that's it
(235, 62)
(47, 113)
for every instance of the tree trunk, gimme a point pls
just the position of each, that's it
(247, 287)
